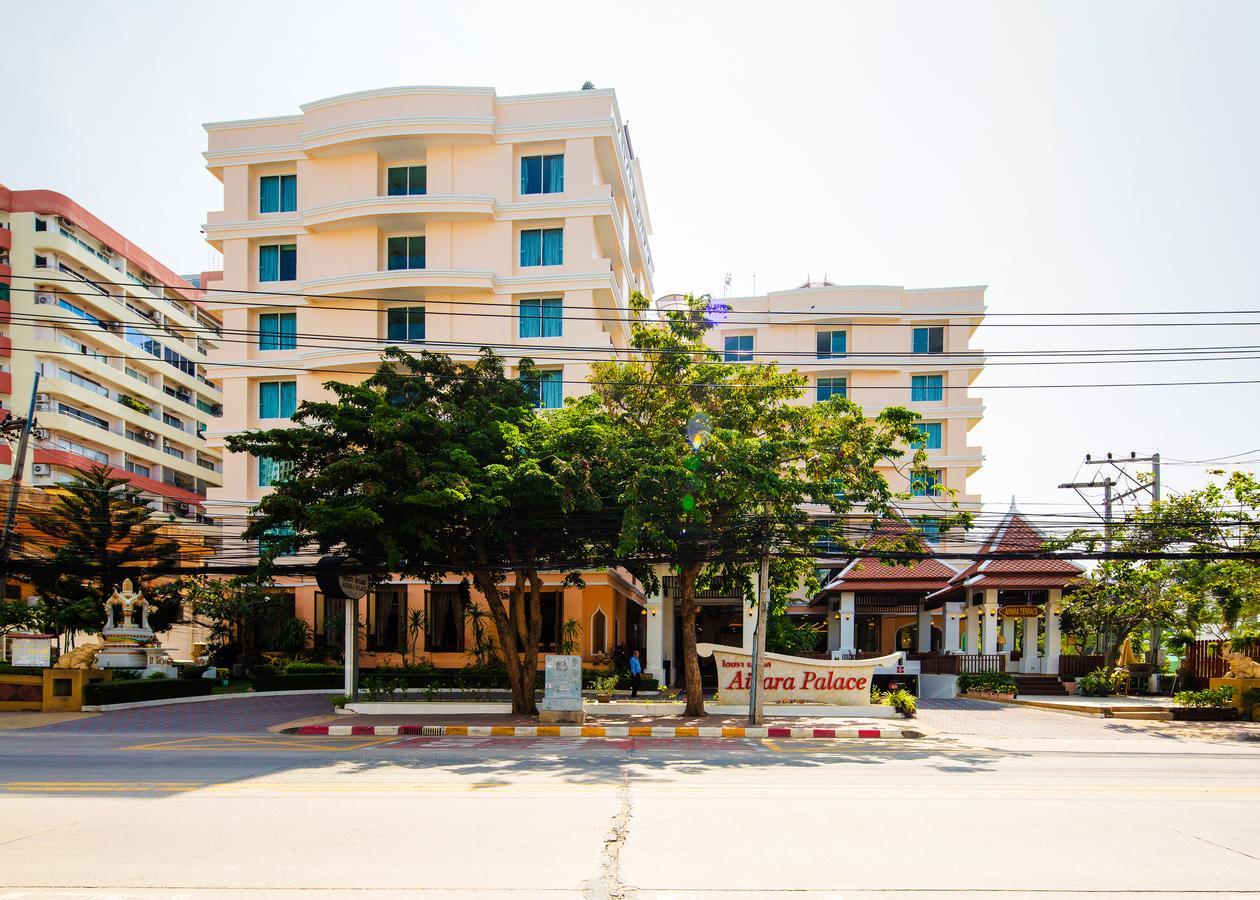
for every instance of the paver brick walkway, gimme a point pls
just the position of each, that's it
(231, 715)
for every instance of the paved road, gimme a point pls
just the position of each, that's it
(999, 807)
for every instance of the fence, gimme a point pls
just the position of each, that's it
(1073, 667)
(1206, 659)
(981, 662)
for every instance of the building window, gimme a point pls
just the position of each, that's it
(271, 471)
(599, 633)
(277, 399)
(542, 174)
(179, 361)
(927, 388)
(403, 180)
(832, 344)
(547, 390)
(929, 340)
(445, 632)
(41, 224)
(276, 537)
(405, 323)
(738, 348)
(405, 252)
(931, 439)
(542, 318)
(277, 331)
(82, 314)
(542, 247)
(277, 262)
(277, 193)
(386, 625)
(930, 528)
(926, 484)
(832, 387)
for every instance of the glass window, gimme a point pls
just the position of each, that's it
(277, 399)
(405, 252)
(542, 318)
(271, 471)
(930, 528)
(926, 484)
(832, 343)
(931, 432)
(277, 193)
(542, 174)
(41, 225)
(547, 389)
(927, 388)
(405, 323)
(542, 247)
(445, 632)
(277, 262)
(274, 537)
(386, 626)
(738, 348)
(929, 340)
(277, 331)
(832, 387)
(403, 180)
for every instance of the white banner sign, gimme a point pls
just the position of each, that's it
(834, 682)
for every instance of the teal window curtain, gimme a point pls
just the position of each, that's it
(927, 388)
(925, 484)
(269, 194)
(396, 253)
(553, 247)
(396, 181)
(269, 263)
(288, 398)
(266, 471)
(531, 175)
(552, 317)
(832, 343)
(931, 432)
(415, 252)
(269, 332)
(931, 530)
(288, 262)
(551, 390)
(738, 348)
(832, 387)
(417, 179)
(288, 193)
(288, 331)
(277, 399)
(531, 247)
(530, 319)
(553, 174)
(929, 340)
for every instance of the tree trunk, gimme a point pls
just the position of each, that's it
(691, 662)
(522, 699)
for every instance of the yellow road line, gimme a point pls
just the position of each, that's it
(233, 743)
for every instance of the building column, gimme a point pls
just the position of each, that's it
(989, 641)
(833, 626)
(847, 643)
(351, 639)
(1053, 638)
(925, 629)
(951, 613)
(1032, 658)
(1008, 634)
(973, 629)
(654, 637)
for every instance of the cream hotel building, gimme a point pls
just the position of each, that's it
(458, 218)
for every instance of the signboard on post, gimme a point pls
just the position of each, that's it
(786, 679)
(31, 650)
(1020, 612)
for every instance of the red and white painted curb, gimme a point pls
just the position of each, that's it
(602, 731)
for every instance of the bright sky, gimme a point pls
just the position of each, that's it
(1070, 155)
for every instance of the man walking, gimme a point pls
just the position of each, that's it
(636, 669)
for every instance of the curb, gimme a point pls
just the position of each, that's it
(600, 731)
(205, 698)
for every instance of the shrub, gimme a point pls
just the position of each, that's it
(901, 700)
(301, 667)
(604, 684)
(1098, 683)
(191, 672)
(340, 701)
(6, 669)
(1214, 698)
(986, 682)
(101, 693)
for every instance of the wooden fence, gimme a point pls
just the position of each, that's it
(1073, 667)
(1206, 659)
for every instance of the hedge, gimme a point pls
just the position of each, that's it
(268, 679)
(101, 693)
(986, 682)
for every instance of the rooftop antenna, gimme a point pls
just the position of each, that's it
(726, 285)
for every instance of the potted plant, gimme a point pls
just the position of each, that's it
(132, 403)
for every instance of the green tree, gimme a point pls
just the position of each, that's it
(432, 467)
(717, 461)
(228, 607)
(98, 532)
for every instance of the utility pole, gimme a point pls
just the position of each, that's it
(756, 700)
(15, 483)
(1106, 484)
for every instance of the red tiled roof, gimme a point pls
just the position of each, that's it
(875, 574)
(1016, 534)
(152, 485)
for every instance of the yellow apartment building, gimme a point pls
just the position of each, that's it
(448, 216)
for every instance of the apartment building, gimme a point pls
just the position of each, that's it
(120, 344)
(444, 217)
(880, 347)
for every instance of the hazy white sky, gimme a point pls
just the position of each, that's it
(1072, 156)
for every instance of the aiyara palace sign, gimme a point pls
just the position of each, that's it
(834, 682)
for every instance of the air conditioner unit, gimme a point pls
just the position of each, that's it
(43, 298)
(41, 469)
(149, 435)
(42, 398)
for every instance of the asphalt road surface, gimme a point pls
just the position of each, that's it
(86, 814)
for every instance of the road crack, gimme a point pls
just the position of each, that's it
(609, 886)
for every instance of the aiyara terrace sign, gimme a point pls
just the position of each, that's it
(1020, 612)
(834, 682)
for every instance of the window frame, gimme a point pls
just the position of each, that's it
(927, 388)
(535, 317)
(929, 483)
(430, 644)
(408, 312)
(282, 338)
(831, 388)
(929, 331)
(280, 250)
(831, 352)
(408, 168)
(281, 182)
(738, 354)
(545, 174)
(542, 247)
(535, 387)
(409, 255)
(280, 392)
(925, 430)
